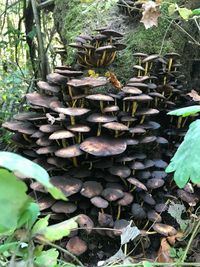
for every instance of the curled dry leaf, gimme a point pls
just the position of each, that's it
(150, 14)
(164, 252)
(113, 80)
(194, 95)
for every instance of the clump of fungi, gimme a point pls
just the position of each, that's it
(106, 152)
(98, 50)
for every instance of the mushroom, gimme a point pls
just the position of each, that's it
(99, 202)
(116, 126)
(52, 88)
(112, 194)
(80, 129)
(120, 171)
(101, 98)
(153, 216)
(62, 134)
(155, 183)
(43, 200)
(119, 225)
(64, 207)
(126, 200)
(138, 212)
(73, 112)
(91, 189)
(76, 246)
(40, 100)
(164, 229)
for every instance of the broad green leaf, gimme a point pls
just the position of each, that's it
(172, 9)
(29, 216)
(196, 12)
(40, 225)
(185, 13)
(147, 264)
(8, 246)
(47, 258)
(13, 201)
(185, 112)
(25, 168)
(59, 230)
(186, 162)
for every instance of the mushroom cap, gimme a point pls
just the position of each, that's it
(131, 90)
(19, 126)
(150, 58)
(162, 140)
(62, 134)
(121, 171)
(88, 82)
(46, 150)
(58, 162)
(116, 126)
(44, 141)
(119, 225)
(43, 200)
(73, 111)
(138, 98)
(87, 37)
(99, 97)
(153, 216)
(147, 111)
(79, 128)
(112, 194)
(147, 198)
(138, 67)
(136, 165)
(103, 146)
(107, 48)
(57, 78)
(113, 33)
(126, 200)
(172, 54)
(69, 186)
(138, 54)
(136, 84)
(99, 202)
(161, 207)
(38, 187)
(110, 109)
(151, 125)
(69, 152)
(137, 130)
(137, 183)
(37, 99)
(76, 246)
(69, 73)
(48, 128)
(148, 139)
(48, 87)
(155, 183)
(56, 104)
(64, 207)
(76, 45)
(138, 211)
(159, 174)
(29, 116)
(144, 175)
(128, 118)
(164, 229)
(105, 220)
(91, 189)
(190, 198)
(148, 163)
(98, 117)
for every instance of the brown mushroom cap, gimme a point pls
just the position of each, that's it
(69, 73)
(137, 130)
(119, 225)
(150, 58)
(57, 78)
(164, 229)
(62, 134)
(48, 128)
(40, 100)
(64, 207)
(144, 175)
(107, 48)
(148, 139)
(112, 194)
(138, 67)
(147, 111)
(131, 83)
(99, 97)
(73, 111)
(105, 220)
(88, 82)
(190, 198)
(148, 163)
(69, 152)
(69, 186)
(147, 198)
(76, 246)
(97, 117)
(137, 165)
(126, 200)
(103, 146)
(121, 171)
(138, 211)
(46, 150)
(43, 200)
(159, 174)
(153, 216)
(91, 189)
(137, 183)
(38, 187)
(30, 116)
(155, 183)
(113, 33)
(79, 128)
(99, 202)
(161, 207)
(110, 109)
(116, 126)
(44, 141)
(131, 90)
(19, 126)
(48, 87)
(139, 98)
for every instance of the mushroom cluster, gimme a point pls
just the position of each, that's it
(98, 50)
(105, 151)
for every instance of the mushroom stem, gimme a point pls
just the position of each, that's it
(184, 122)
(116, 133)
(118, 212)
(102, 211)
(165, 80)
(134, 107)
(142, 119)
(72, 120)
(99, 129)
(103, 58)
(179, 122)
(113, 55)
(123, 180)
(70, 91)
(146, 68)
(101, 106)
(64, 143)
(26, 138)
(75, 163)
(132, 189)
(170, 64)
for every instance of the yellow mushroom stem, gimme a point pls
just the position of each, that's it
(103, 57)
(97, 44)
(86, 61)
(110, 40)
(26, 138)
(124, 181)
(170, 64)
(165, 80)
(156, 101)
(79, 138)
(132, 189)
(139, 72)
(75, 163)
(99, 129)
(118, 212)
(102, 211)
(179, 122)
(134, 108)
(74, 103)
(64, 143)
(113, 55)
(101, 106)
(146, 68)
(116, 133)
(70, 91)
(91, 165)
(72, 120)
(142, 119)
(184, 122)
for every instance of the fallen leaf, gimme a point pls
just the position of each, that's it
(194, 95)
(113, 79)
(164, 252)
(150, 14)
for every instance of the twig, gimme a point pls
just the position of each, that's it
(164, 37)
(46, 4)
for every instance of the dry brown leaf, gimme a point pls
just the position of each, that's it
(150, 14)
(164, 252)
(172, 239)
(194, 95)
(113, 79)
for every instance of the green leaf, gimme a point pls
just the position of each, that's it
(196, 12)
(29, 216)
(185, 13)
(13, 201)
(172, 252)
(147, 264)
(186, 162)
(172, 9)
(59, 230)
(40, 225)
(185, 112)
(16, 163)
(176, 211)
(47, 258)
(8, 246)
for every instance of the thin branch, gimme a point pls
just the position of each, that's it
(8, 7)
(46, 4)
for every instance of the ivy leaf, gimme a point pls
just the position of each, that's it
(176, 211)
(13, 201)
(23, 167)
(184, 12)
(172, 9)
(40, 225)
(7, 246)
(196, 12)
(47, 258)
(150, 14)
(186, 162)
(185, 112)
